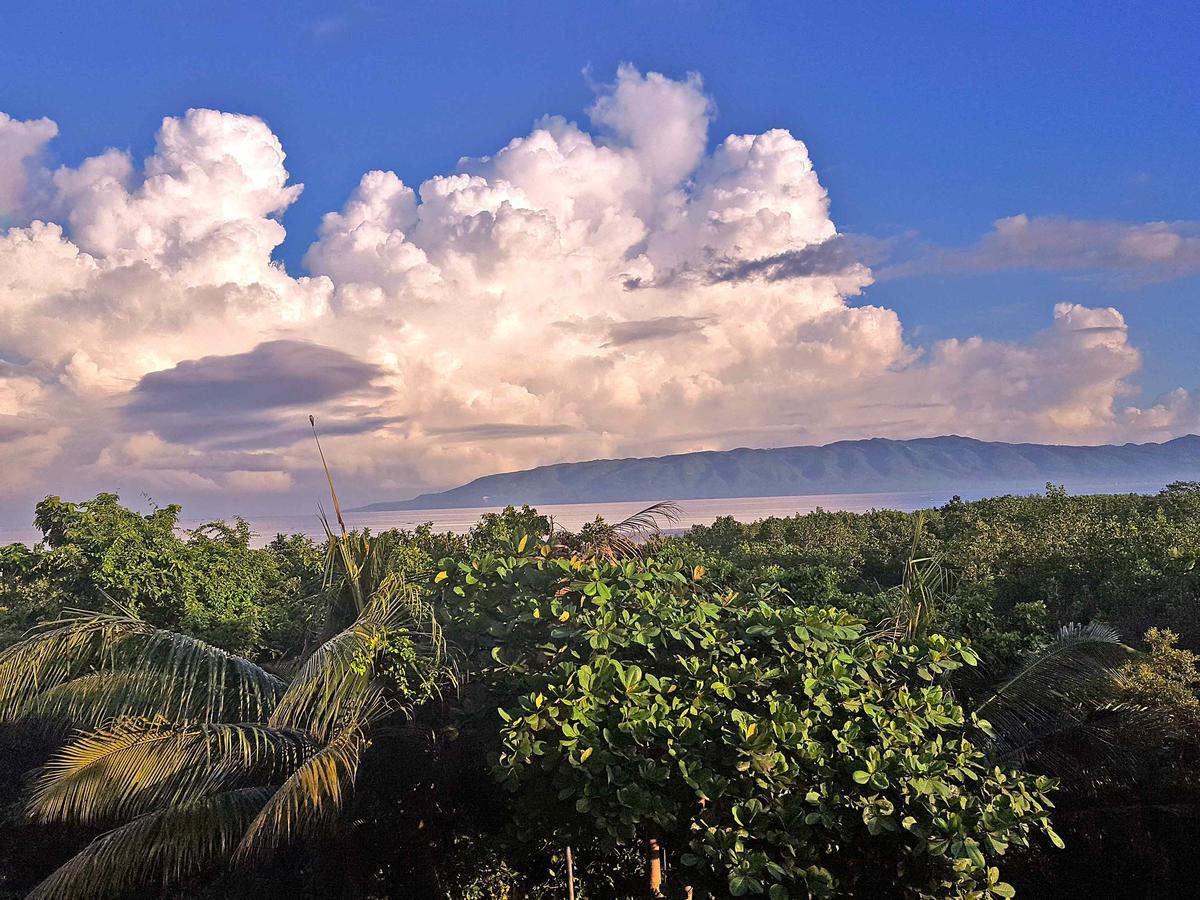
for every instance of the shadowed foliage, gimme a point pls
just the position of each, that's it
(190, 716)
(198, 756)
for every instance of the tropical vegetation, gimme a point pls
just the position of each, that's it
(990, 698)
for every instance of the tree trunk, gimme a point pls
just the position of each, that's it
(654, 874)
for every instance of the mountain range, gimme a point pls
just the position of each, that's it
(958, 464)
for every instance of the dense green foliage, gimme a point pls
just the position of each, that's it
(98, 555)
(831, 704)
(776, 746)
(1129, 560)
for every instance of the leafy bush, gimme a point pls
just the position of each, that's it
(99, 555)
(770, 748)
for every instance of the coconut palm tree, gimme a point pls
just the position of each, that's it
(194, 757)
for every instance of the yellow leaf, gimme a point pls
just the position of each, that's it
(521, 546)
(583, 757)
(750, 729)
(537, 613)
(441, 576)
(697, 573)
(565, 615)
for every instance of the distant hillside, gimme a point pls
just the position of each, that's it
(958, 464)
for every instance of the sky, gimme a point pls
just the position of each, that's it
(476, 237)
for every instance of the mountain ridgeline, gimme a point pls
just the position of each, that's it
(955, 464)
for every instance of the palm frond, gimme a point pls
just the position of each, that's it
(136, 766)
(1055, 689)
(926, 581)
(349, 565)
(330, 687)
(161, 847)
(359, 565)
(650, 518)
(311, 798)
(1084, 747)
(623, 539)
(193, 674)
(90, 701)
(1077, 655)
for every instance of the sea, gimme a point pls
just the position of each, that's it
(573, 515)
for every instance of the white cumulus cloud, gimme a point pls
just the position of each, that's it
(537, 305)
(21, 143)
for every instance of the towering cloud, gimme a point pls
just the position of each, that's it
(580, 293)
(20, 145)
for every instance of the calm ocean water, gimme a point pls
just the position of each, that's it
(573, 515)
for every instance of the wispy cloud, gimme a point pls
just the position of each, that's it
(1128, 253)
(1133, 252)
(841, 254)
(498, 431)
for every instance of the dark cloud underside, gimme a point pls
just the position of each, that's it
(240, 400)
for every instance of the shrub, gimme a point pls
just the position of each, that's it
(769, 748)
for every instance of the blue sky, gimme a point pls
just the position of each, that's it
(926, 123)
(930, 117)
